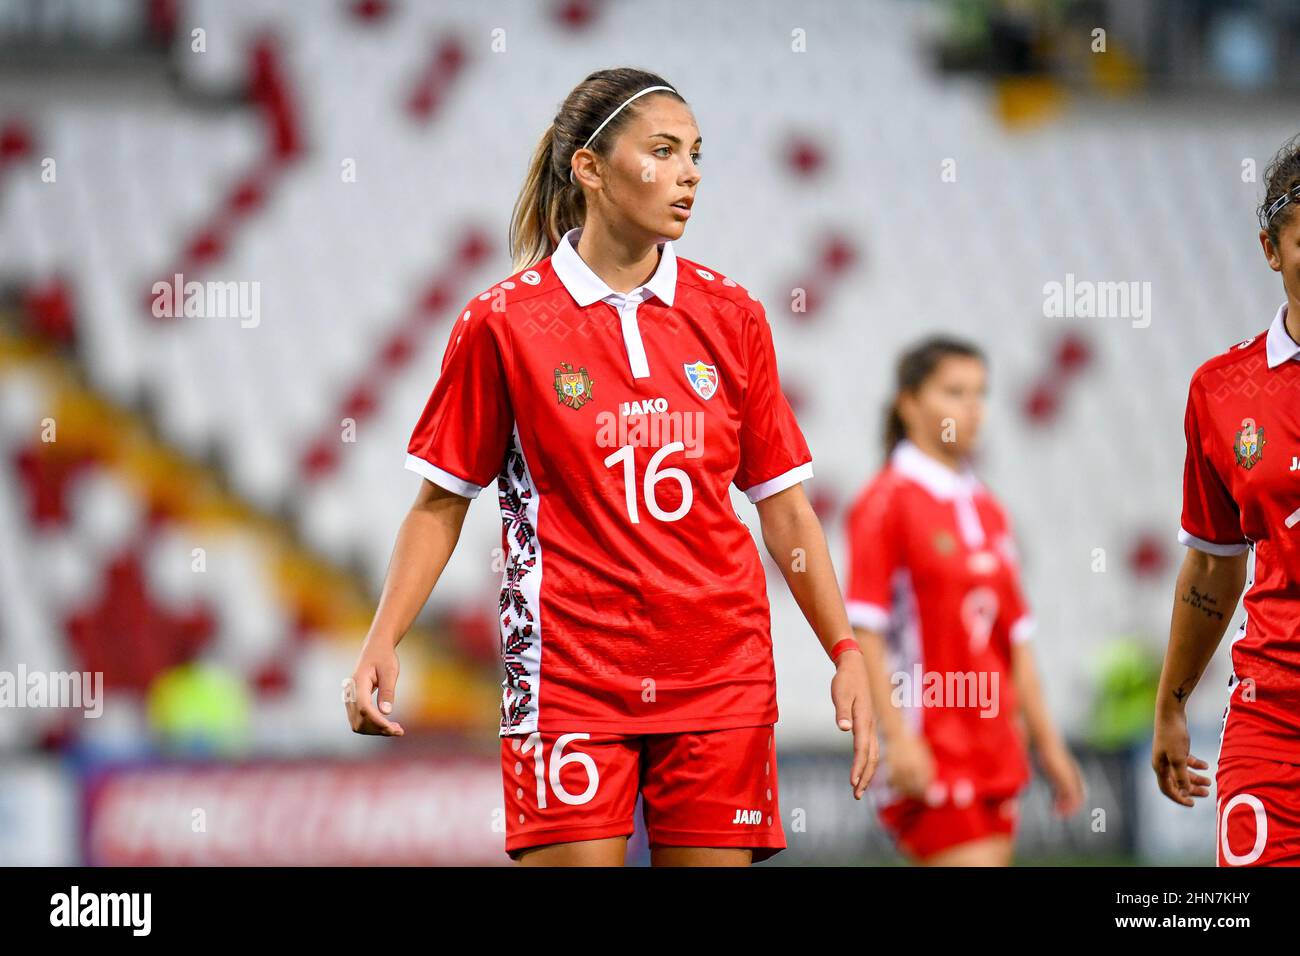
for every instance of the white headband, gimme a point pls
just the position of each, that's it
(648, 89)
(1289, 196)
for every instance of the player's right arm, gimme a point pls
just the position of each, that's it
(1207, 592)
(458, 446)
(1209, 585)
(876, 554)
(425, 541)
(908, 762)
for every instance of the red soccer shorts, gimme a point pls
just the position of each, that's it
(1257, 812)
(924, 830)
(710, 789)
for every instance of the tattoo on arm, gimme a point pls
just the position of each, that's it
(1201, 601)
(1186, 687)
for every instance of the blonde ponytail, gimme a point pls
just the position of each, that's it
(548, 206)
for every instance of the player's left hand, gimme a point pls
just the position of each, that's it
(1063, 773)
(851, 695)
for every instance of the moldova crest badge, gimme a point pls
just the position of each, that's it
(572, 388)
(1249, 446)
(944, 542)
(703, 378)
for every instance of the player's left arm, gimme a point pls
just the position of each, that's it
(1058, 764)
(793, 537)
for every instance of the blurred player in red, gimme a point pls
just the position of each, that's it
(934, 594)
(614, 392)
(1241, 490)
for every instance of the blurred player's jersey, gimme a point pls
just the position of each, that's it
(932, 567)
(1241, 487)
(633, 598)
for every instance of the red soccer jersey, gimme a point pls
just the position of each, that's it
(1241, 487)
(932, 568)
(633, 599)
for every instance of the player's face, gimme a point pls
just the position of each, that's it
(1285, 256)
(653, 167)
(948, 409)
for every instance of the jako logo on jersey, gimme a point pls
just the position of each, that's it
(645, 407)
(572, 388)
(1249, 446)
(748, 816)
(703, 378)
(649, 424)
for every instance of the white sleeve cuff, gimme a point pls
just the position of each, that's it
(1023, 629)
(443, 479)
(781, 482)
(870, 617)
(1209, 547)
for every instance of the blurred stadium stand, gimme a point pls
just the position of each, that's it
(204, 532)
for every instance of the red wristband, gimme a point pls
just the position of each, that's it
(848, 644)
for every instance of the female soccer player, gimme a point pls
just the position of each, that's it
(1241, 489)
(614, 391)
(934, 595)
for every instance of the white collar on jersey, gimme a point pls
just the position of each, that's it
(586, 287)
(936, 477)
(1279, 345)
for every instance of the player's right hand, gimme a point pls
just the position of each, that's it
(376, 668)
(1171, 758)
(909, 764)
